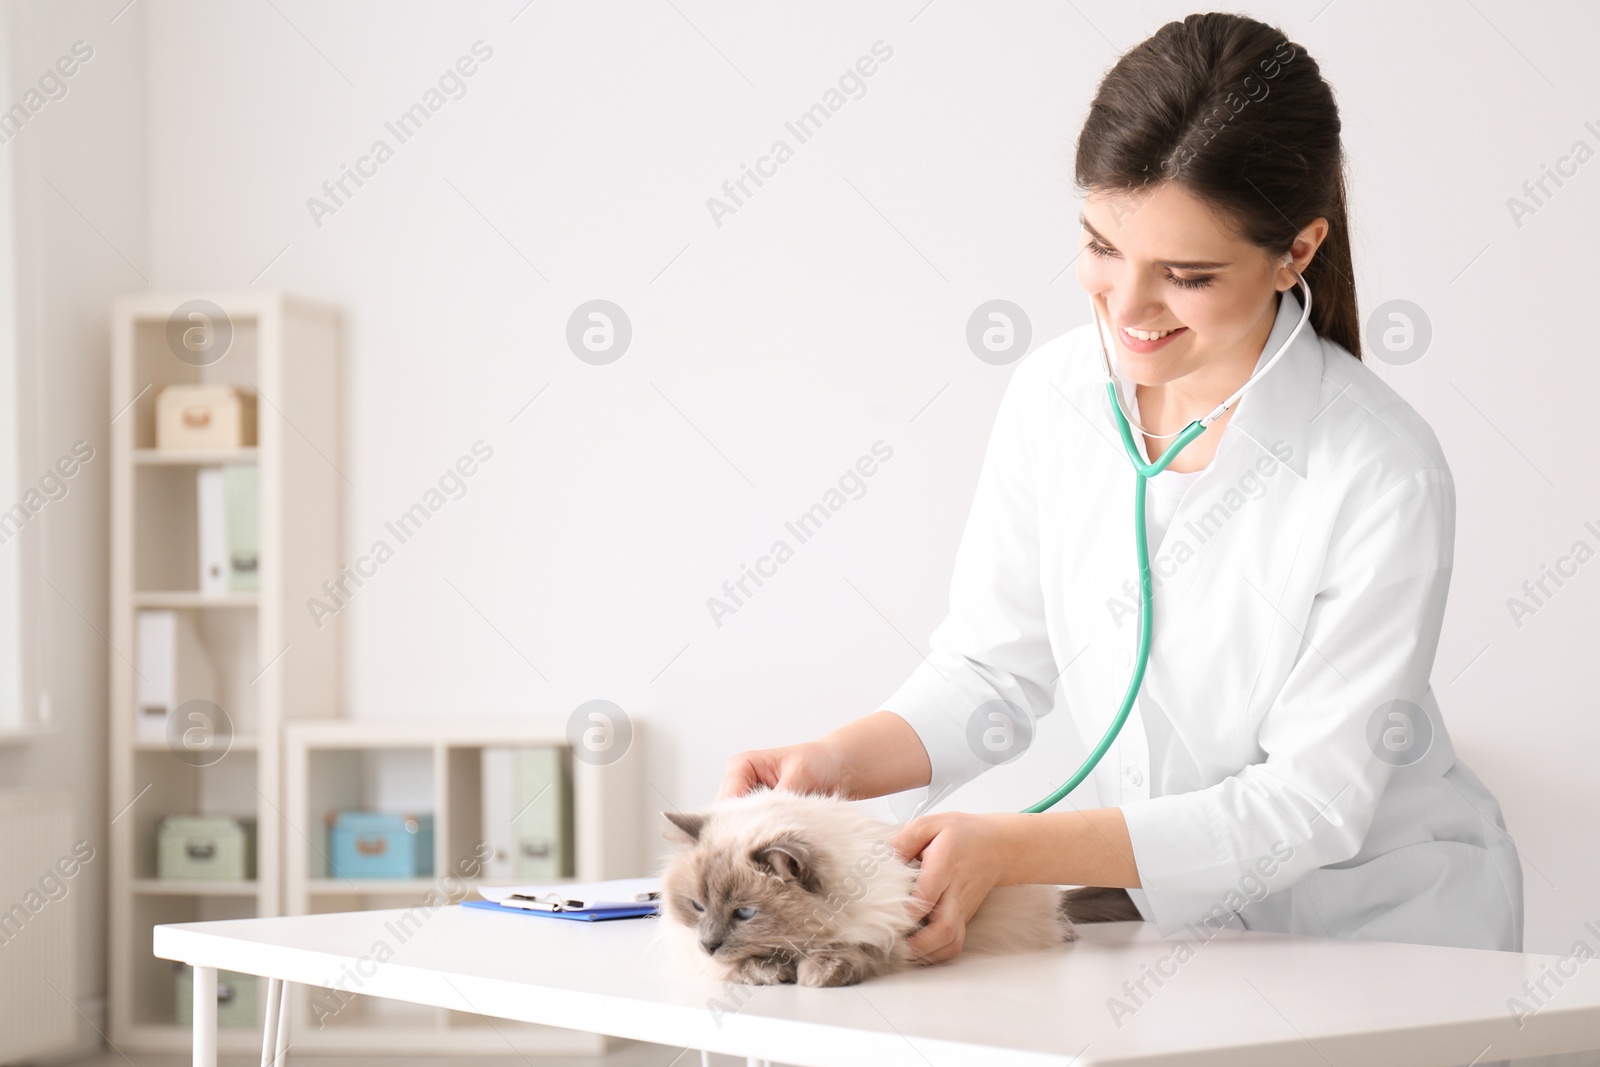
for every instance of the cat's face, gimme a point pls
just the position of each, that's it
(750, 903)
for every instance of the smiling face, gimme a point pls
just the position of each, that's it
(1160, 260)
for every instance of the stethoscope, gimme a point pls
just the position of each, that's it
(1144, 472)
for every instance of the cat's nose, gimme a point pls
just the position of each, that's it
(711, 947)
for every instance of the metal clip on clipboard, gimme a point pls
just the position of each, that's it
(551, 902)
(618, 898)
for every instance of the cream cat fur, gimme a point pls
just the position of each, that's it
(805, 888)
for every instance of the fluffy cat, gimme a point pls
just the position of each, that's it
(778, 887)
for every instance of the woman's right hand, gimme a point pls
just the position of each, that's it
(812, 767)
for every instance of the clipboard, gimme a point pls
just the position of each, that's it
(620, 898)
(637, 911)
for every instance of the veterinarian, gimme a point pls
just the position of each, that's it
(1285, 766)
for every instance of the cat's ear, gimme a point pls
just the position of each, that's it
(685, 829)
(790, 859)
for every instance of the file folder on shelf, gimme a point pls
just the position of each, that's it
(211, 506)
(241, 482)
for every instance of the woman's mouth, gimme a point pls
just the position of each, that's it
(1147, 341)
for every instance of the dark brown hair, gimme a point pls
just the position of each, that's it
(1242, 120)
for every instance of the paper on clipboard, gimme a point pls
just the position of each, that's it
(575, 896)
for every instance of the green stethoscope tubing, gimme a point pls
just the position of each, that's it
(1143, 472)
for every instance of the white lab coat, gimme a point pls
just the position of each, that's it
(1300, 588)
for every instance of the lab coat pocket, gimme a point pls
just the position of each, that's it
(1425, 893)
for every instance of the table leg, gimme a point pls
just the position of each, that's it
(269, 1029)
(205, 1017)
(281, 1056)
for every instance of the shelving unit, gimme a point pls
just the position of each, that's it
(337, 765)
(271, 662)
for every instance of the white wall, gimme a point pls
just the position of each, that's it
(826, 314)
(79, 236)
(771, 352)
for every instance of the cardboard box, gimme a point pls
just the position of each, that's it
(190, 417)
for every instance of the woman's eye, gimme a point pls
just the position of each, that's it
(696, 905)
(745, 913)
(1096, 248)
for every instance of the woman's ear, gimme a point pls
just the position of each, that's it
(684, 829)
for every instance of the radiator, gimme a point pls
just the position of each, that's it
(41, 881)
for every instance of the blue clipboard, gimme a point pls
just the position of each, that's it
(585, 915)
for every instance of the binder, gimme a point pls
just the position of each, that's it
(638, 911)
(542, 830)
(527, 814)
(211, 506)
(173, 668)
(226, 502)
(244, 528)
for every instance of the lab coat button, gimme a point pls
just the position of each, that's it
(1135, 776)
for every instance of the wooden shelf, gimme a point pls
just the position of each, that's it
(188, 598)
(240, 743)
(431, 733)
(397, 887)
(22, 735)
(179, 887)
(173, 457)
(324, 764)
(289, 350)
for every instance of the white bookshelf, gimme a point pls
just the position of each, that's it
(272, 663)
(337, 765)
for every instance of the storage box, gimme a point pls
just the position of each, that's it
(205, 417)
(206, 848)
(236, 997)
(376, 844)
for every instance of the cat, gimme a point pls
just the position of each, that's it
(781, 887)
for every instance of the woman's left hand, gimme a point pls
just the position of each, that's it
(964, 856)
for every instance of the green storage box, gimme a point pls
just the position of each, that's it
(206, 848)
(236, 997)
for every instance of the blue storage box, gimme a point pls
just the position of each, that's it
(377, 844)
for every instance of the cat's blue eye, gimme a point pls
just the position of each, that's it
(697, 905)
(745, 913)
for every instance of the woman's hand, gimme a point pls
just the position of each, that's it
(870, 757)
(964, 856)
(813, 767)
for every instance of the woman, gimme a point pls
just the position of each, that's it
(1285, 767)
